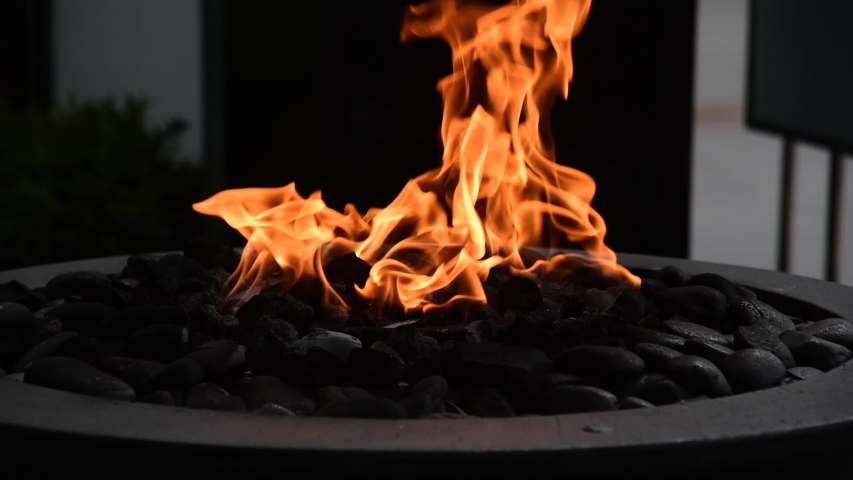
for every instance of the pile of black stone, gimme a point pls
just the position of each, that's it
(162, 332)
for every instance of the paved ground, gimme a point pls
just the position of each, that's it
(736, 171)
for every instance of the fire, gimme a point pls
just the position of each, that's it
(497, 190)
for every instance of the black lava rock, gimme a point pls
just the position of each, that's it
(811, 351)
(220, 357)
(211, 254)
(523, 332)
(72, 375)
(518, 293)
(752, 369)
(629, 306)
(276, 305)
(206, 320)
(310, 367)
(160, 343)
(412, 344)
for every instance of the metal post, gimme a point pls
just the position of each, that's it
(785, 206)
(833, 218)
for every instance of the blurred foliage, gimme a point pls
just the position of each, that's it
(91, 179)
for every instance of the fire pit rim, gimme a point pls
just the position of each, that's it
(809, 405)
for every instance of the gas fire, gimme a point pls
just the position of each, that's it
(496, 191)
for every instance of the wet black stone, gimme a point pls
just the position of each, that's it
(490, 364)
(310, 367)
(714, 352)
(599, 362)
(672, 276)
(210, 396)
(634, 334)
(655, 356)
(89, 286)
(133, 371)
(697, 303)
(16, 292)
(650, 287)
(137, 266)
(627, 403)
(373, 368)
(486, 402)
(372, 407)
(276, 305)
(134, 318)
(607, 341)
(72, 375)
(698, 375)
(44, 327)
(522, 332)
(578, 399)
(811, 351)
(687, 329)
(835, 330)
(764, 339)
(518, 293)
(655, 388)
(797, 374)
(412, 344)
(179, 375)
(82, 317)
(16, 331)
(756, 313)
(334, 393)
(265, 389)
(8, 307)
(162, 343)
(629, 306)
(44, 349)
(425, 397)
(752, 369)
(206, 320)
(220, 357)
(158, 397)
(719, 282)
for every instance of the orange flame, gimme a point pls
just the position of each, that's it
(497, 186)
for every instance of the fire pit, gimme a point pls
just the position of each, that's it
(696, 435)
(439, 334)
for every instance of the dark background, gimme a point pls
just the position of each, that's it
(627, 121)
(323, 94)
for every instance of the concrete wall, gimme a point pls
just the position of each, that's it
(141, 47)
(736, 171)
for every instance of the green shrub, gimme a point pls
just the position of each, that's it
(91, 179)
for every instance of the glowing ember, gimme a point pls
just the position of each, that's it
(495, 192)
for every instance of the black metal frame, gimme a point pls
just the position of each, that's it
(702, 439)
(789, 140)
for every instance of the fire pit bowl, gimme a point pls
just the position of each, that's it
(782, 429)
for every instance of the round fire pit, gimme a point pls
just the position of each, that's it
(779, 429)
